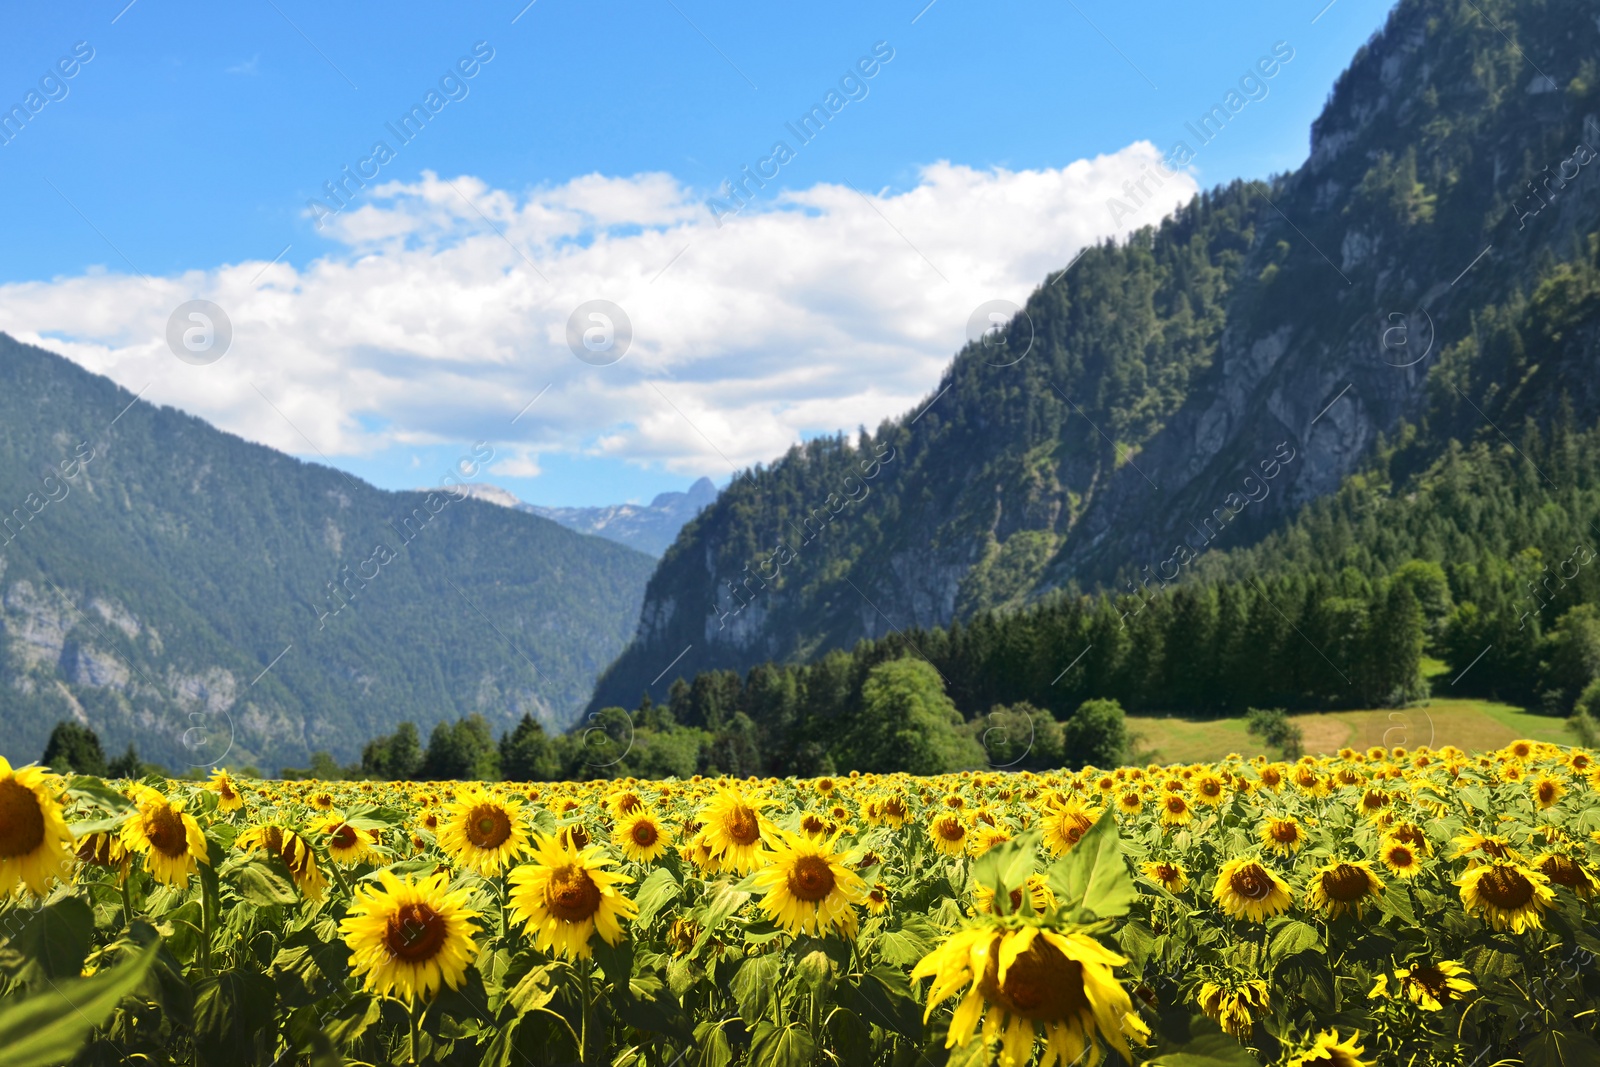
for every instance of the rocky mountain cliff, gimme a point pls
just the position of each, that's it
(207, 599)
(650, 528)
(1192, 387)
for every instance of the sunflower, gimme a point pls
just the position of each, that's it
(35, 844)
(1341, 886)
(1547, 791)
(103, 848)
(877, 899)
(732, 829)
(1210, 788)
(1510, 895)
(410, 938)
(228, 796)
(1035, 984)
(623, 803)
(169, 839)
(483, 833)
(347, 844)
(641, 836)
(890, 810)
(810, 888)
(1566, 870)
(1247, 890)
(565, 895)
(293, 850)
(1167, 874)
(1400, 857)
(1040, 896)
(1284, 836)
(1064, 826)
(1175, 810)
(948, 834)
(1429, 985)
(1129, 802)
(1495, 847)
(1236, 1006)
(1328, 1051)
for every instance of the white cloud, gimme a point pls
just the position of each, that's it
(425, 324)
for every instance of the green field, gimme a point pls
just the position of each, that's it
(1469, 724)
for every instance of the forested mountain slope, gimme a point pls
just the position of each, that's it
(205, 598)
(1307, 316)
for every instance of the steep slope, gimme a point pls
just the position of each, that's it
(206, 598)
(1253, 332)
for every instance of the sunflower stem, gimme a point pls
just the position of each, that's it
(127, 900)
(412, 1010)
(587, 968)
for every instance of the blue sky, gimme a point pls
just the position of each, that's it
(186, 151)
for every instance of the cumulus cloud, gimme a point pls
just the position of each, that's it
(439, 314)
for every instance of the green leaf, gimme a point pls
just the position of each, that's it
(723, 903)
(1007, 866)
(1561, 1048)
(54, 940)
(655, 893)
(1207, 1046)
(49, 1027)
(100, 826)
(883, 998)
(754, 984)
(261, 885)
(781, 1046)
(1093, 875)
(710, 1048)
(1291, 937)
(85, 787)
(373, 817)
(904, 946)
(229, 1010)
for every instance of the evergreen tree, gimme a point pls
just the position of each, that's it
(527, 755)
(74, 749)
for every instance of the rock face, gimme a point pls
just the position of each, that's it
(1278, 326)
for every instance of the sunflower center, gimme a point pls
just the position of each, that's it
(1547, 792)
(1562, 871)
(628, 804)
(743, 827)
(414, 933)
(811, 879)
(1041, 984)
(572, 896)
(1433, 981)
(1505, 888)
(164, 828)
(950, 829)
(1285, 833)
(1251, 882)
(21, 819)
(1400, 856)
(644, 834)
(488, 826)
(1346, 883)
(344, 837)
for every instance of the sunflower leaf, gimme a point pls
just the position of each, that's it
(49, 1027)
(657, 891)
(781, 1046)
(1093, 876)
(53, 941)
(85, 787)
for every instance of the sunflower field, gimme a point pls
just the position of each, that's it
(1381, 907)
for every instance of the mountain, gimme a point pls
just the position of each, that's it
(650, 528)
(1196, 385)
(209, 599)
